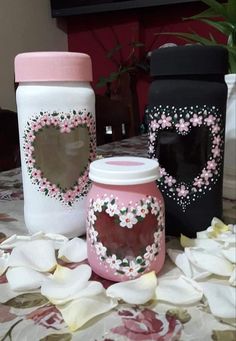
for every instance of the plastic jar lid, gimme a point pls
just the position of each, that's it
(124, 170)
(53, 66)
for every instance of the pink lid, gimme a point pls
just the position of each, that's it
(53, 66)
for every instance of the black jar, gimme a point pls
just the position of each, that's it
(187, 105)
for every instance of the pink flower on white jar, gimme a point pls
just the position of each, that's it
(216, 151)
(128, 220)
(165, 121)
(30, 137)
(54, 190)
(182, 191)
(43, 184)
(114, 262)
(142, 211)
(69, 196)
(183, 126)
(112, 209)
(154, 125)
(75, 122)
(211, 164)
(36, 126)
(45, 120)
(169, 180)
(209, 120)
(196, 120)
(65, 127)
(30, 161)
(132, 269)
(97, 205)
(101, 250)
(54, 121)
(198, 182)
(29, 148)
(216, 140)
(36, 173)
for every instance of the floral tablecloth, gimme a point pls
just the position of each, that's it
(30, 316)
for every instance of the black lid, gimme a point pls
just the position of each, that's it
(189, 60)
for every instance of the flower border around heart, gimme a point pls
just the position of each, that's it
(65, 122)
(126, 217)
(164, 117)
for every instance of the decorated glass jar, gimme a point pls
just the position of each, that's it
(187, 104)
(56, 106)
(125, 218)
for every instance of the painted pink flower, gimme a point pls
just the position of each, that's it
(69, 196)
(154, 125)
(151, 149)
(152, 137)
(162, 172)
(36, 126)
(183, 126)
(30, 137)
(196, 120)
(36, 173)
(169, 180)
(182, 191)
(45, 121)
(65, 127)
(211, 164)
(216, 129)
(206, 174)
(54, 121)
(217, 140)
(30, 161)
(76, 122)
(146, 325)
(209, 120)
(165, 121)
(53, 190)
(198, 182)
(47, 316)
(44, 184)
(29, 148)
(216, 151)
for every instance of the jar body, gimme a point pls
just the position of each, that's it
(125, 230)
(186, 135)
(57, 141)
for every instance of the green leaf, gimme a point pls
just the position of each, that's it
(55, 114)
(222, 26)
(217, 7)
(208, 13)
(27, 300)
(120, 272)
(57, 337)
(231, 10)
(141, 270)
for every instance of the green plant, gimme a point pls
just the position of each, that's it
(221, 16)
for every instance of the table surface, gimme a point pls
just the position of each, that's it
(28, 316)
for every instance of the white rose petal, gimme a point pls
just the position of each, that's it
(36, 254)
(232, 279)
(221, 299)
(77, 312)
(66, 283)
(204, 243)
(75, 250)
(229, 252)
(137, 291)
(213, 263)
(25, 279)
(178, 290)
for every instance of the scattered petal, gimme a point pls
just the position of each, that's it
(15, 240)
(229, 252)
(206, 243)
(207, 261)
(178, 290)
(4, 256)
(221, 299)
(36, 254)
(66, 283)
(75, 250)
(24, 279)
(232, 279)
(137, 291)
(77, 312)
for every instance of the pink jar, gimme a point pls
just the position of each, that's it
(125, 218)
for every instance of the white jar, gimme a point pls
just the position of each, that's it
(56, 114)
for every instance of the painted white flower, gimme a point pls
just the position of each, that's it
(142, 210)
(161, 218)
(97, 205)
(151, 250)
(93, 234)
(112, 209)
(154, 208)
(157, 236)
(113, 262)
(91, 217)
(128, 220)
(101, 250)
(132, 269)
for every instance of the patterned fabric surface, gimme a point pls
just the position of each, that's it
(30, 316)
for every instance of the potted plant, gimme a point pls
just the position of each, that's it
(222, 16)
